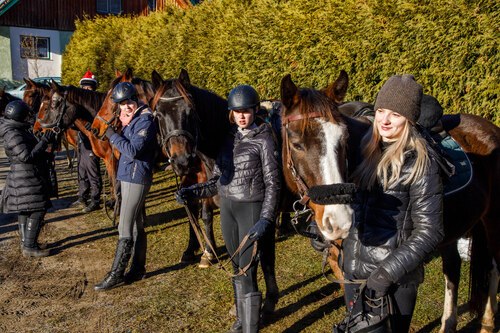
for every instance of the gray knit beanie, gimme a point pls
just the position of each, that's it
(401, 94)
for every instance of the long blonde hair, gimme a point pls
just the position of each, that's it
(384, 166)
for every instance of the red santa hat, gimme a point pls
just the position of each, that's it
(88, 79)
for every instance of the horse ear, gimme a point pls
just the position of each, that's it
(54, 85)
(157, 79)
(288, 92)
(184, 78)
(128, 74)
(338, 89)
(118, 73)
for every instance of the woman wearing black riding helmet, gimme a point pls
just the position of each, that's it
(137, 146)
(247, 179)
(27, 185)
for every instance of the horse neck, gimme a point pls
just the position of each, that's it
(214, 121)
(88, 105)
(357, 130)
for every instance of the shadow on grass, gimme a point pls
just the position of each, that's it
(313, 297)
(471, 327)
(86, 237)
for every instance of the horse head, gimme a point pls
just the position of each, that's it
(315, 150)
(177, 120)
(108, 114)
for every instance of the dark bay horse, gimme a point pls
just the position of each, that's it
(66, 105)
(194, 123)
(320, 141)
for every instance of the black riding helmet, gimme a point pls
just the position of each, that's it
(17, 110)
(242, 97)
(124, 91)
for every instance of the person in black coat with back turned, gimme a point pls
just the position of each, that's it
(27, 186)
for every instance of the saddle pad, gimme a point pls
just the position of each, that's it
(463, 167)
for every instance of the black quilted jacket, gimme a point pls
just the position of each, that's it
(247, 170)
(396, 229)
(26, 186)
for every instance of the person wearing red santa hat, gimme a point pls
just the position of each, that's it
(88, 81)
(89, 171)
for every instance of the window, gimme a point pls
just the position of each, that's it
(152, 5)
(109, 6)
(35, 47)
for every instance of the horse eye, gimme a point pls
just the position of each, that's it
(297, 146)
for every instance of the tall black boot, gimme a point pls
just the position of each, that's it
(137, 269)
(251, 312)
(114, 278)
(30, 244)
(21, 221)
(238, 300)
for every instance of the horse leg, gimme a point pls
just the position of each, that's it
(207, 215)
(333, 255)
(268, 265)
(451, 269)
(188, 255)
(491, 306)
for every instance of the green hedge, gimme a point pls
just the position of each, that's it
(450, 46)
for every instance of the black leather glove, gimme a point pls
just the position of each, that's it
(258, 229)
(48, 136)
(379, 281)
(41, 146)
(109, 132)
(184, 195)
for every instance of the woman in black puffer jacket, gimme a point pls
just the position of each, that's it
(27, 186)
(398, 209)
(247, 179)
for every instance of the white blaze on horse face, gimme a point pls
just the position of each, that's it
(337, 219)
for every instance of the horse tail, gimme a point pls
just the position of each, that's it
(480, 267)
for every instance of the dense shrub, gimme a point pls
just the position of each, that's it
(450, 46)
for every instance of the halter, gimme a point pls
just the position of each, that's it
(113, 122)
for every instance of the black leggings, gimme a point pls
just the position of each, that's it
(236, 219)
(404, 298)
(38, 215)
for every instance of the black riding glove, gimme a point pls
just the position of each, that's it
(184, 195)
(40, 147)
(109, 132)
(379, 281)
(258, 229)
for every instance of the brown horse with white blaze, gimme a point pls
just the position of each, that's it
(319, 144)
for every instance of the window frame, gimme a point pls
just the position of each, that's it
(109, 4)
(29, 47)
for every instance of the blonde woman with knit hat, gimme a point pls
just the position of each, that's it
(397, 214)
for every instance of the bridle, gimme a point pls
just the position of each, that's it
(56, 126)
(299, 181)
(113, 122)
(165, 137)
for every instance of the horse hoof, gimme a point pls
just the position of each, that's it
(269, 306)
(206, 260)
(187, 258)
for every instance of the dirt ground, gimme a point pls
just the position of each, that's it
(55, 294)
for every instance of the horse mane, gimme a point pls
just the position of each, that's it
(214, 117)
(312, 100)
(145, 90)
(90, 100)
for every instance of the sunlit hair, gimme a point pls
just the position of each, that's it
(384, 166)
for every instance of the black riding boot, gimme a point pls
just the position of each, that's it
(137, 269)
(21, 221)
(238, 300)
(251, 312)
(30, 244)
(114, 278)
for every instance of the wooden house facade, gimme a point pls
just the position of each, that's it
(34, 33)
